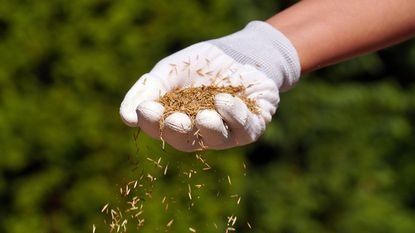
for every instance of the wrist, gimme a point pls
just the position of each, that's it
(299, 28)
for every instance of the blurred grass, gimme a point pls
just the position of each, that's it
(338, 157)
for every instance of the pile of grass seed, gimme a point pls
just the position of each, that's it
(194, 99)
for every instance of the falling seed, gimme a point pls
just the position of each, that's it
(119, 211)
(131, 182)
(148, 194)
(140, 222)
(124, 225)
(156, 163)
(202, 145)
(169, 223)
(190, 192)
(231, 220)
(93, 228)
(113, 213)
(197, 132)
(229, 229)
(249, 225)
(105, 207)
(138, 214)
(135, 207)
(165, 169)
(150, 177)
(234, 220)
(207, 166)
(163, 143)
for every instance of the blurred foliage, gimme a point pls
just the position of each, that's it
(338, 157)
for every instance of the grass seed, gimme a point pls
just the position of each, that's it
(194, 99)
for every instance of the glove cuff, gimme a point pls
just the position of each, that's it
(264, 47)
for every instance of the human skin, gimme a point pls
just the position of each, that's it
(325, 32)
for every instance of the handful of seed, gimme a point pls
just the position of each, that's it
(194, 99)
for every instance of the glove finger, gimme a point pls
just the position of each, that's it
(149, 114)
(261, 89)
(232, 109)
(245, 126)
(211, 128)
(266, 98)
(146, 88)
(179, 133)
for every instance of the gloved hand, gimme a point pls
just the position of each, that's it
(258, 57)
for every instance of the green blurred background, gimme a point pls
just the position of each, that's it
(338, 157)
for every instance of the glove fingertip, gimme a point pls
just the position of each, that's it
(178, 132)
(232, 109)
(211, 128)
(178, 122)
(149, 114)
(151, 111)
(128, 117)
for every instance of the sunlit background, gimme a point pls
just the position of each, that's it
(339, 155)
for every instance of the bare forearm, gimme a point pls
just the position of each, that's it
(328, 31)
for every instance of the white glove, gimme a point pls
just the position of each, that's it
(258, 57)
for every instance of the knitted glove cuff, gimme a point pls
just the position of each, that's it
(264, 47)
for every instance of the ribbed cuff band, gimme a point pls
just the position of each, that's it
(261, 45)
